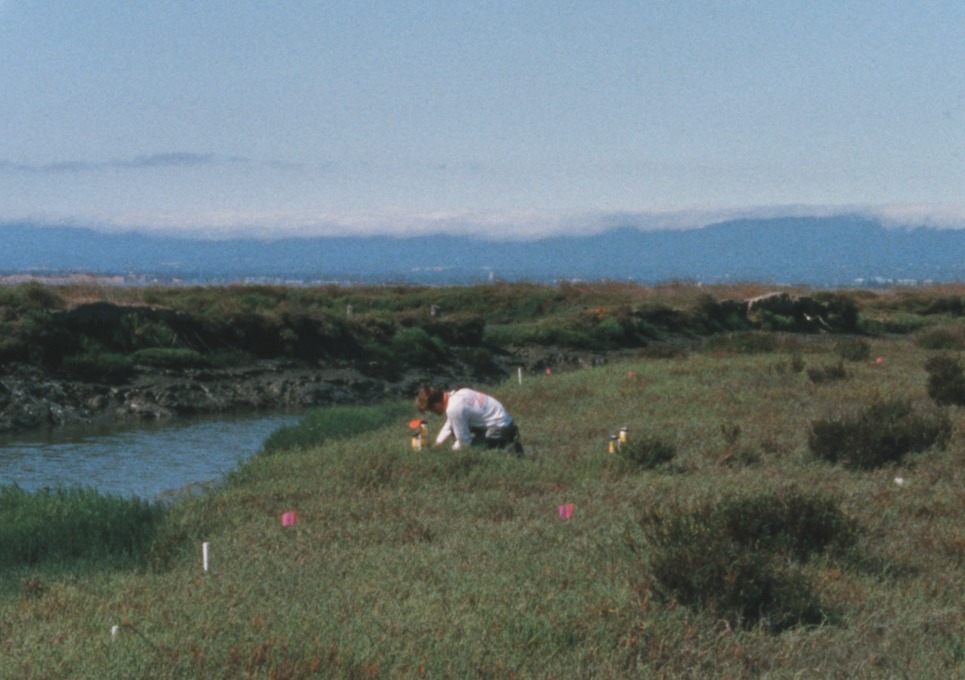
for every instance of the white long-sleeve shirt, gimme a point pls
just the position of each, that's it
(468, 409)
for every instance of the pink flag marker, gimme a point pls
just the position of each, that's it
(566, 511)
(880, 360)
(289, 519)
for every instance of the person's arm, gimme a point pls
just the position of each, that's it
(444, 433)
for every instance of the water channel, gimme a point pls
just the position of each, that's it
(146, 461)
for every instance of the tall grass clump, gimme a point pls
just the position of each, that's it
(66, 524)
(741, 559)
(881, 433)
(336, 422)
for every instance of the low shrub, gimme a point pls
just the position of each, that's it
(740, 559)
(649, 452)
(946, 381)
(791, 523)
(883, 432)
(65, 524)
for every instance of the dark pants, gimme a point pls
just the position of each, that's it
(497, 437)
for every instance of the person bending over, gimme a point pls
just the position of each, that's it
(471, 417)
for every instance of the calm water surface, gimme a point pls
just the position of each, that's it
(143, 462)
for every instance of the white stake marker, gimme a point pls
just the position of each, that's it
(114, 630)
(520, 375)
(204, 555)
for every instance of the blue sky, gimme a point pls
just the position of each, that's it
(236, 116)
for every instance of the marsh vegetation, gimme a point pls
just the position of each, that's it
(757, 523)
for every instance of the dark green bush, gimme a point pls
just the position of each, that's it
(740, 559)
(946, 381)
(839, 311)
(649, 452)
(772, 321)
(60, 525)
(718, 316)
(415, 347)
(791, 523)
(882, 433)
(135, 331)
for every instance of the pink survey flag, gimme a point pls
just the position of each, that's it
(880, 360)
(566, 511)
(289, 519)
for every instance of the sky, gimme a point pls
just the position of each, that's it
(491, 117)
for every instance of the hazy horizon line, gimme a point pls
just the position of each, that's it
(515, 225)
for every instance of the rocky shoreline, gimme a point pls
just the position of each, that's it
(33, 399)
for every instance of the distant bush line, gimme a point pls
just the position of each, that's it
(102, 335)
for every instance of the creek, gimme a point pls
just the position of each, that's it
(145, 461)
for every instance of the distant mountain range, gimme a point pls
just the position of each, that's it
(820, 251)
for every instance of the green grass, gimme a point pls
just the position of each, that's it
(456, 564)
(336, 422)
(66, 525)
